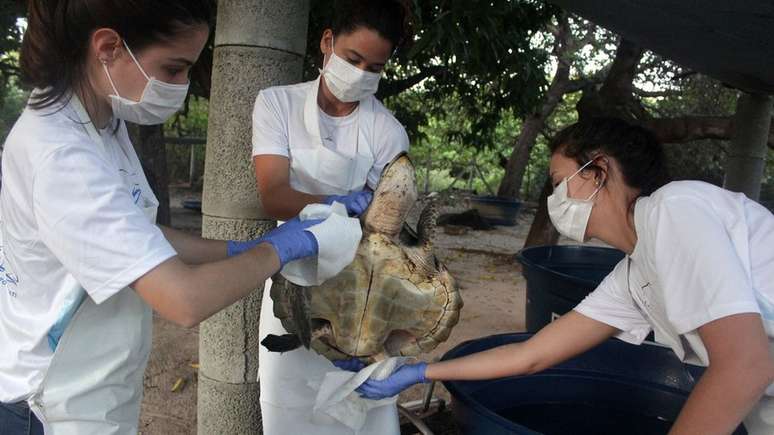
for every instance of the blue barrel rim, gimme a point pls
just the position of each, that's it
(591, 283)
(493, 417)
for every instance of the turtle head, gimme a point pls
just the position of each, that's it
(393, 198)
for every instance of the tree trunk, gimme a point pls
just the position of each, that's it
(542, 231)
(747, 154)
(149, 144)
(510, 186)
(259, 43)
(615, 98)
(519, 159)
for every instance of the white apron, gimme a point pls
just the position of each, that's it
(287, 379)
(93, 385)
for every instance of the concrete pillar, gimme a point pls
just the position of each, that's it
(747, 153)
(258, 43)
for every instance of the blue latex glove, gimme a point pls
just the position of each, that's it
(235, 247)
(356, 202)
(290, 240)
(350, 365)
(406, 376)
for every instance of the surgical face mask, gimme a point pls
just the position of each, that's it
(347, 82)
(570, 216)
(159, 100)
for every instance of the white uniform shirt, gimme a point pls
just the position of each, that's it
(702, 253)
(280, 109)
(72, 217)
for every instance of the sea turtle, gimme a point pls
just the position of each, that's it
(394, 299)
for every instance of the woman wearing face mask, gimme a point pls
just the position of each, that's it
(318, 142)
(699, 273)
(82, 261)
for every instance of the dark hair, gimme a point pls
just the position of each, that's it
(637, 151)
(388, 18)
(55, 45)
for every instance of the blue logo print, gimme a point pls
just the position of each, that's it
(8, 279)
(136, 193)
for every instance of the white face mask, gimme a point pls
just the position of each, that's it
(570, 216)
(158, 103)
(347, 82)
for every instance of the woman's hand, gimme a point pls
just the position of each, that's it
(290, 240)
(404, 377)
(356, 202)
(350, 365)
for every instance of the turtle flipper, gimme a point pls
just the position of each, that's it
(301, 313)
(427, 225)
(281, 343)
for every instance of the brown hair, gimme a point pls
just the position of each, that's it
(637, 151)
(389, 18)
(55, 45)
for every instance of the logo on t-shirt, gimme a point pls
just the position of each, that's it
(129, 179)
(136, 193)
(8, 279)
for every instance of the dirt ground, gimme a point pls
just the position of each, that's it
(483, 263)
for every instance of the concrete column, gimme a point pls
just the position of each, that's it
(258, 43)
(747, 153)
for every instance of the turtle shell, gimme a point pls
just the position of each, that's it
(395, 298)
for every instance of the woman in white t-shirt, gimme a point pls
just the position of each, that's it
(699, 273)
(317, 142)
(82, 261)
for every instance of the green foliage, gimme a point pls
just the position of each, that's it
(537, 168)
(10, 37)
(12, 102)
(445, 159)
(701, 96)
(191, 123)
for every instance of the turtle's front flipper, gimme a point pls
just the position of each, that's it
(281, 343)
(300, 313)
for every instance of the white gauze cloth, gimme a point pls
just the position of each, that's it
(337, 400)
(338, 237)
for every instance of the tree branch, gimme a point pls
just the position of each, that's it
(690, 128)
(395, 87)
(580, 84)
(654, 94)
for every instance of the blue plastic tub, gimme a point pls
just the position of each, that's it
(559, 277)
(193, 204)
(496, 210)
(615, 388)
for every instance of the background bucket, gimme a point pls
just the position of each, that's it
(559, 277)
(496, 210)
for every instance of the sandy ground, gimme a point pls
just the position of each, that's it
(483, 263)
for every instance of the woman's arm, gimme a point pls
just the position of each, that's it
(279, 200)
(568, 336)
(740, 370)
(192, 249)
(188, 294)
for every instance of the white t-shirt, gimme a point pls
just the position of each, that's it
(702, 253)
(279, 111)
(72, 217)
